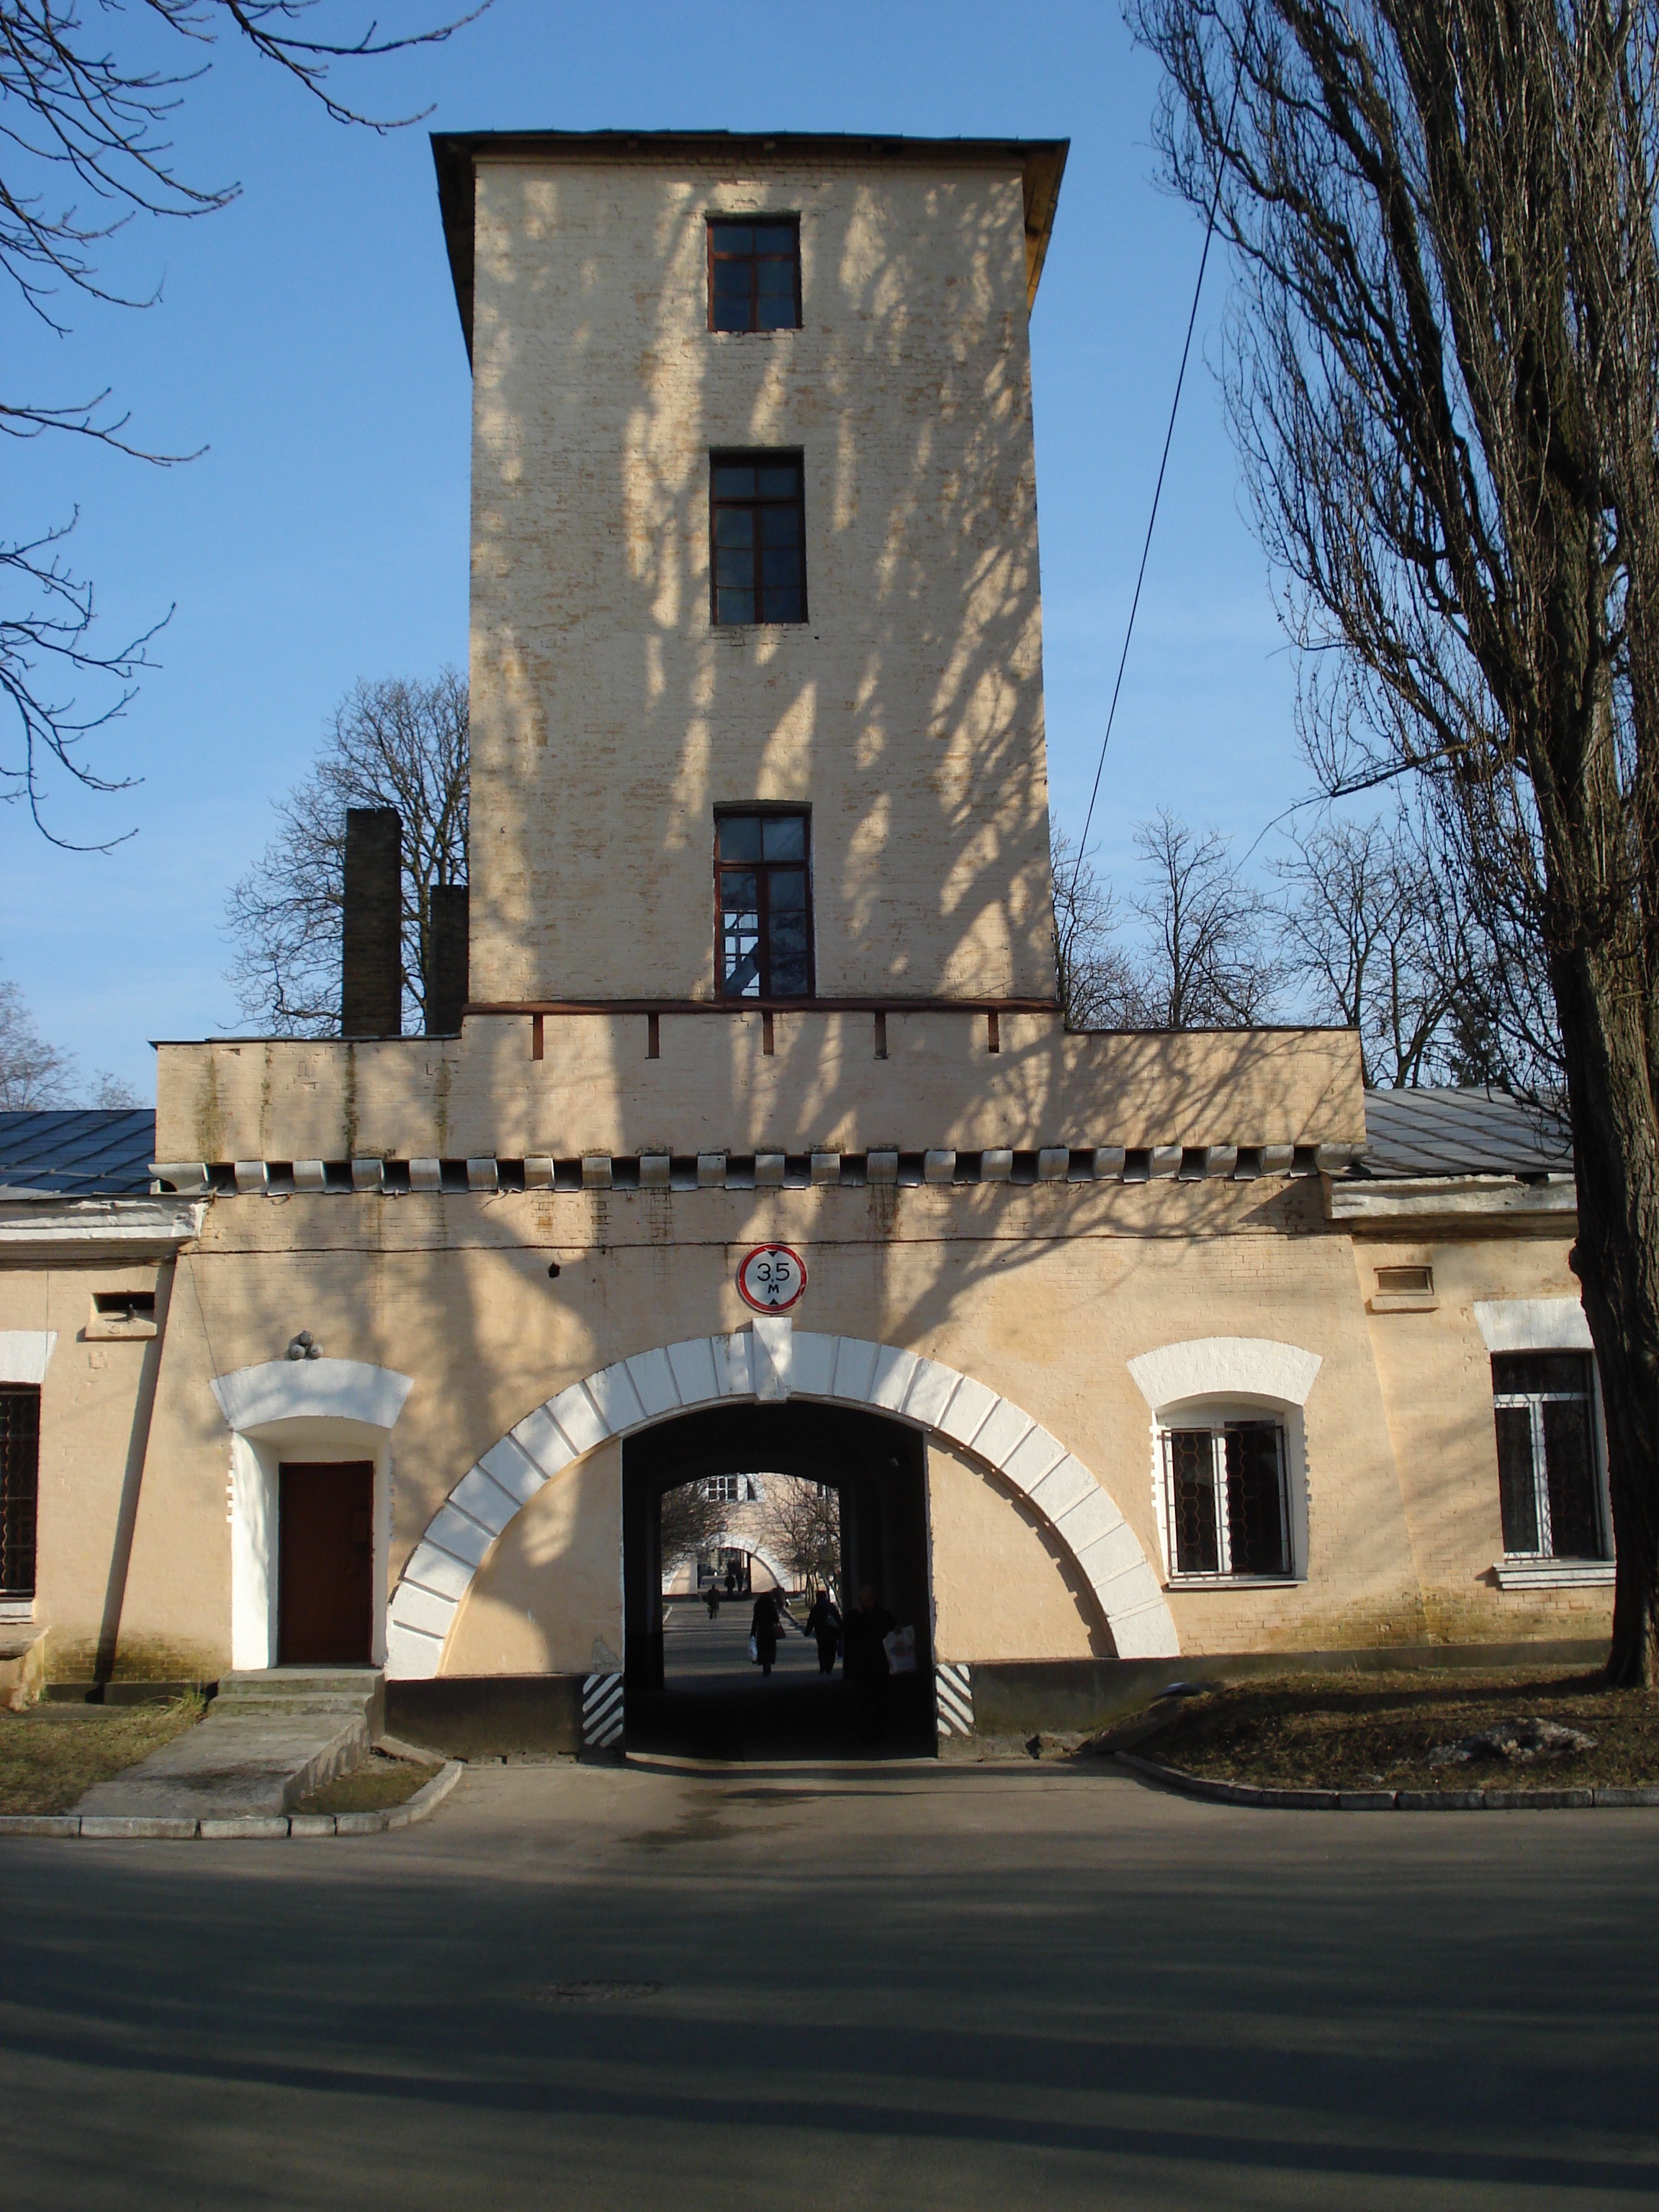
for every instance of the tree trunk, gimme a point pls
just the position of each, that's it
(1617, 1261)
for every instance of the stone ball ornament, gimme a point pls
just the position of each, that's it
(304, 1346)
(772, 1278)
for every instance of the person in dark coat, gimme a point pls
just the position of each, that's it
(764, 1630)
(864, 1663)
(823, 1622)
(713, 1601)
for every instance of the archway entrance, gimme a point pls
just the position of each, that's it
(725, 1710)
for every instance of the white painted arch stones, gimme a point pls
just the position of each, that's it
(773, 1362)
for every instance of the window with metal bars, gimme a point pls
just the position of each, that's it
(1226, 1502)
(754, 275)
(1548, 1473)
(763, 912)
(758, 539)
(20, 1476)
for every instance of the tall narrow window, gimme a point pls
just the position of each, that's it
(763, 911)
(754, 275)
(756, 527)
(20, 1470)
(1226, 1499)
(1549, 1487)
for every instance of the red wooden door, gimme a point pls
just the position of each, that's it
(326, 1564)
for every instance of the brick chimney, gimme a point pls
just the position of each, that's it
(447, 959)
(372, 995)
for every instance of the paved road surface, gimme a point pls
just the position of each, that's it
(699, 1654)
(903, 1986)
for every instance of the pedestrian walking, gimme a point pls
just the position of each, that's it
(823, 1623)
(763, 1631)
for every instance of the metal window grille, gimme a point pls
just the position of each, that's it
(20, 1474)
(754, 275)
(758, 539)
(763, 909)
(1226, 1499)
(1548, 1479)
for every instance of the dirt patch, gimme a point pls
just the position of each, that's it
(1381, 1731)
(378, 1782)
(51, 1754)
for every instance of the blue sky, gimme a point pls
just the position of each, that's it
(307, 337)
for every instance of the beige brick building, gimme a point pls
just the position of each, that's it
(762, 1143)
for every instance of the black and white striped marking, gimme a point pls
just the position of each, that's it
(955, 1699)
(602, 1711)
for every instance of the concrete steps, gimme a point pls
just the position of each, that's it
(269, 1739)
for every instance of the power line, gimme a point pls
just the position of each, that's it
(1157, 489)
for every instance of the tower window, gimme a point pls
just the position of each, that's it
(754, 275)
(757, 532)
(763, 912)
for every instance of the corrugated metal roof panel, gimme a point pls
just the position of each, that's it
(1431, 1132)
(100, 1152)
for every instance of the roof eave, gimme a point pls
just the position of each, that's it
(455, 154)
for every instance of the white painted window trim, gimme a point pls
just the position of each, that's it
(1533, 1325)
(25, 1354)
(1522, 1571)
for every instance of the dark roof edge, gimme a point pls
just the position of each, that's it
(455, 153)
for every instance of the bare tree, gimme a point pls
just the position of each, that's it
(400, 742)
(1443, 377)
(81, 120)
(1098, 986)
(1205, 964)
(36, 1075)
(32, 1073)
(802, 1523)
(1365, 931)
(691, 1519)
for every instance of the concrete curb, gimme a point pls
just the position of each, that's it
(1382, 1801)
(105, 1828)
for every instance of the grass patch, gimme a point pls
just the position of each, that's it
(378, 1783)
(51, 1754)
(1377, 1731)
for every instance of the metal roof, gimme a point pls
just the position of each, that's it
(1461, 1132)
(99, 1153)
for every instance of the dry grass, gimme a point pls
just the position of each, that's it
(51, 1754)
(1352, 1730)
(380, 1781)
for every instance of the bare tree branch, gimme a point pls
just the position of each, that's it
(398, 743)
(77, 117)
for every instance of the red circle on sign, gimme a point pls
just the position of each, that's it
(772, 1278)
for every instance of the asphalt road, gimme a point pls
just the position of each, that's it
(703, 1655)
(903, 1985)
